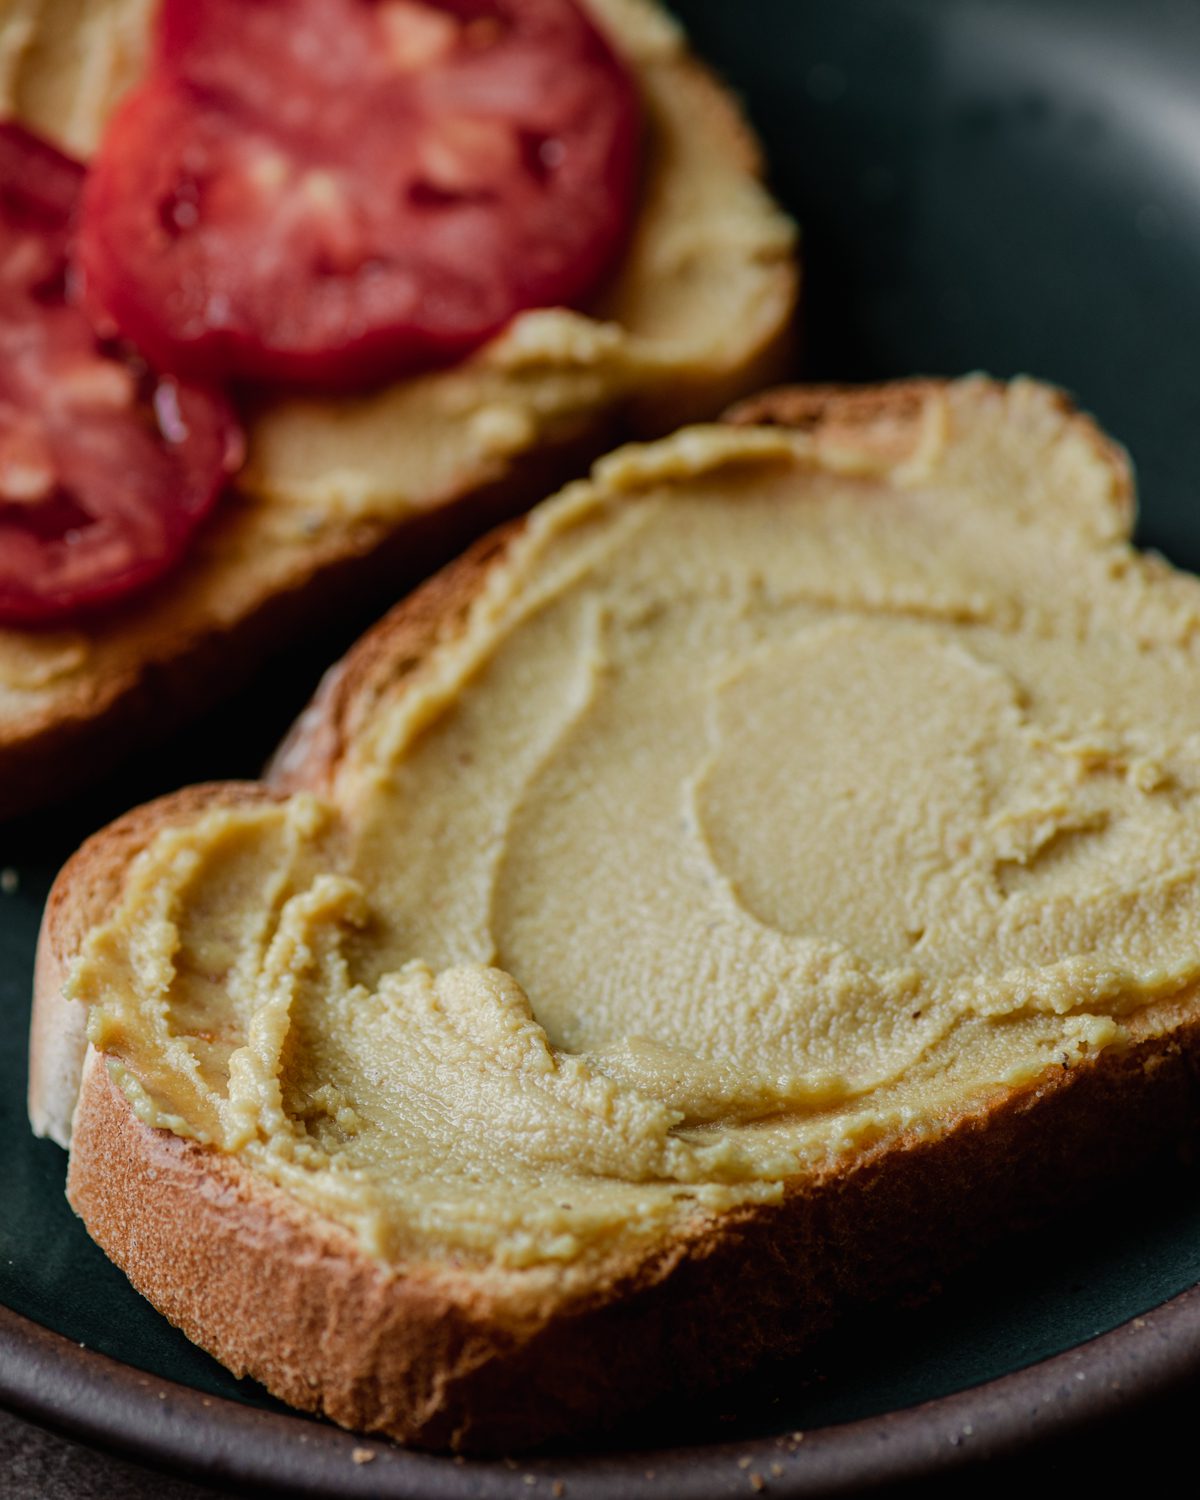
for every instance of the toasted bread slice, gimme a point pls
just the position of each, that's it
(342, 496)
(946, 1051)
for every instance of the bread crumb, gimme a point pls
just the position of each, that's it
(558, 1489)
(530, 1479)
(757, 1482)
(363, 1455)
(797, 1437)
(9, 881)
(745, 1461)
(777, 1471)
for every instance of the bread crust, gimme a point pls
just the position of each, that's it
(179, 648)
(449, 1357)
(885, 421)
(437, 1362)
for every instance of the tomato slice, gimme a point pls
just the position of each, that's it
(105, 470)
(326, 193)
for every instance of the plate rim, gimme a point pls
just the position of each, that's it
(92, 1398)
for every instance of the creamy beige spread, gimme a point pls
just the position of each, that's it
(705, 281)
(767, 807)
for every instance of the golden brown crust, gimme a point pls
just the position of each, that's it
(439, 1364)
(886, 421)
(445, 1356)
(887, 414)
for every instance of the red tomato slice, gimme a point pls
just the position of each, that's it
(105, 470)
(331, 192)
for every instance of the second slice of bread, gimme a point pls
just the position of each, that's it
(342, 497)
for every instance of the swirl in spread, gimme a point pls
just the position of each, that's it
(765, 809)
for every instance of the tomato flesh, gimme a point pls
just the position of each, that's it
(105, 470)
(328, 193)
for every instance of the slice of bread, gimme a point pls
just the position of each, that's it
(975, 871)
(341, 498)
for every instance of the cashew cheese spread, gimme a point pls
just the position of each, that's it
(765, 807)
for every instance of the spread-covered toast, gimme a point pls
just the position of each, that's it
(371, 249)
(740, 890)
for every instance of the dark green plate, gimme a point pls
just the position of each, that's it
(1008, 185)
